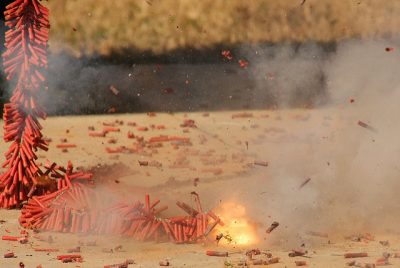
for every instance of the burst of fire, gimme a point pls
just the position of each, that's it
(238, 229)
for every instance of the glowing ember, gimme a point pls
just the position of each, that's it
(238, 229)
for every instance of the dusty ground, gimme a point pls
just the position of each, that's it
(222, 154)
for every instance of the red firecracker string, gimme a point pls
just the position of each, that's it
(25, 61)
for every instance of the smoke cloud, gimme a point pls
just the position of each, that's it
(354, 170)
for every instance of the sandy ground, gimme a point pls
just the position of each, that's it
(221, 155)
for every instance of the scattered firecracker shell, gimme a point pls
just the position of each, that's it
(66, 145)
(272, 227)
(69, 256)
(389, 49)
(300, 263)
(382, 262)
(361, 265)
(227, 54)
(114, 90)
(9, 255)
(109, 124)
(252, 252)
(297, 252)
(365, 125)
(261, 163)
(120, 149)
(273, 260)
(118, 265)
(164, 263)
(143, 163)
(355, 255)
(142, 129)
(304, 183)
(111, 129)
(242, 115)
(189, 123)
(97, 133)
(243, 63)
(46, 249)
(10, 238)
(217, 253)
(23, 240)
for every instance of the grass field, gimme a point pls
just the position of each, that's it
(103, 26)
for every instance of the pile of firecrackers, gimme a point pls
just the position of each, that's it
(57, 198)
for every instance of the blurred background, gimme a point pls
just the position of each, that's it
(167, 55)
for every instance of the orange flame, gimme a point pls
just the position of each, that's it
(236, 225)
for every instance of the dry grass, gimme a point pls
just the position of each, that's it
(162, 25)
